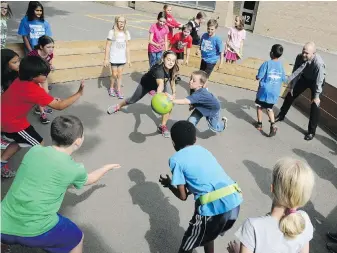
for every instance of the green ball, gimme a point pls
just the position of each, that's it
(161, 103)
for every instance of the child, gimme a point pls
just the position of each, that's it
(157, 39)
(170, 21)
(217, 197)
(271, 75)
(33, 26)
(44, 49)
(155, 79)
(178, 43)
(284, 229)
(211, 48)
(117, 52)
(19, 99)
(30, 208)
(10, 63)
(6, 13)
(195, 24)
(234, 43)
(204, 102)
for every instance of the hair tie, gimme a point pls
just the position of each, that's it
(291, 210)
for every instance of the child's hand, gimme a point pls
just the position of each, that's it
(233, 247)
(81, 88)
(186, 62)
(166, 182)
(111, 166)
(129, 63)
(52, 68)
(106, 63)
(220, 66)
(169, 96)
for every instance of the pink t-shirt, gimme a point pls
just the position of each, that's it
(158, 37)
(236, 37)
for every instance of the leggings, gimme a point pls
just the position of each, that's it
(139, 93)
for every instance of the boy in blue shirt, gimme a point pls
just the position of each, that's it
(196, 171)
(271, 76)
(204, 103)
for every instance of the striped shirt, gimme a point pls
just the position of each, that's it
(36, 53)
(314, 71)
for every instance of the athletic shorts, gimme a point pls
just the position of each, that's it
(263, 104)
(117, 65)
(204, 229)
(60, 239)
(180, 56)
(207, 67)
(25, 138)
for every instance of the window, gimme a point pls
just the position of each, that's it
(203, 5)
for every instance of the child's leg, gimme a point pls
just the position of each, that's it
(259, 114)
(216, 124)
(209, 247)
(119, 81)
(152, 60)
(113, 78)
(271, 115)
(195, 117)
(273, 127)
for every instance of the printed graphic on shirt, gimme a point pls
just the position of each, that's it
(36, 31)
(274, 76)
(180, 45)
(206, 46)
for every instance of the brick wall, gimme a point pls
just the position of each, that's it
(299, 22)
(222, 10)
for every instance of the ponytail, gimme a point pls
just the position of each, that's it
(292, 224)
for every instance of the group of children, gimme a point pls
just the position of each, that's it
(30, 208)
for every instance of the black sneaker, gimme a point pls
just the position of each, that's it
(279, 117)
(178, 78)
(44, 119)
(258, 126)
(273, 130)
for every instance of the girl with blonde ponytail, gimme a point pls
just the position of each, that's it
(285, 229)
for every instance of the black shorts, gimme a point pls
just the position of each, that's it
(117, 65)
(25, 138)
(263, 105)
(207, 67)
(180, 56)
(204, 229)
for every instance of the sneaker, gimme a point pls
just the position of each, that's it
(46, 110)
(111, 92)
(119, 95)
(279, 117)
(44, 119)
(6, 172)
(258, 126)
(225, 121)
(4, 144)
(273, 130)
(112, 109)
(50, 87)
(178, 78)
(164, 131)
(152, 93)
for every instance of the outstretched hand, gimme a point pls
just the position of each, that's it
(166, 182)
(81, 88)
(111, 166)
(233, 247)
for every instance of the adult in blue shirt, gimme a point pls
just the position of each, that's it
(196, 171)
(33, 26)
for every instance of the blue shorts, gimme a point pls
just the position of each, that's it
(60, 239)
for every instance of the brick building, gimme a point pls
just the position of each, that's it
(297, 22)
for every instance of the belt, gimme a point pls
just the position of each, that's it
(218, 194)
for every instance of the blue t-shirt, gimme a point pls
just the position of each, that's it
(205, 102)
(34, 30)
(195, 167)
(271, 75)
(211, 48)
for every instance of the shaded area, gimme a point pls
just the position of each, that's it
(165, 233)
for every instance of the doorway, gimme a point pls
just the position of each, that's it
(248, 11)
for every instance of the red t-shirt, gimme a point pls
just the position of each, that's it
(171, 23)
(17, 101)
(35, 53)
(179, 43)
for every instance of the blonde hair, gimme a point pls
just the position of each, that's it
(242, 22)
(115, 26)
(293, 181)
(202, 74)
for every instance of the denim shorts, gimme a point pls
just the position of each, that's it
(62, 238)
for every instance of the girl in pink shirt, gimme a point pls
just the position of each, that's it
(170, 21)
(157, 39)
(234, 43)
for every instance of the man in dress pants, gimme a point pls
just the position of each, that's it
(308, 72)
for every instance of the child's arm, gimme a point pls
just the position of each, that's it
(166, 43)
(173, 87)
(96, 175)
(188, 52)
(128, 55)
(24, 31)
(183, 101)
(241, 47)
(180, 191)
(160, 83)
(306, 248)
(107, 53)
(151, 40)
(58, 104)
(27, 44)
(220, 48)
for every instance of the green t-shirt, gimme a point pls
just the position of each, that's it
(36, 194)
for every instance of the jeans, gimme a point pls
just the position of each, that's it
(215, 124)
(301, 85)
(154, 57)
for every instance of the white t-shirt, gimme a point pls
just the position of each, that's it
(236, 36)
(262, 234)
(118, 46)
